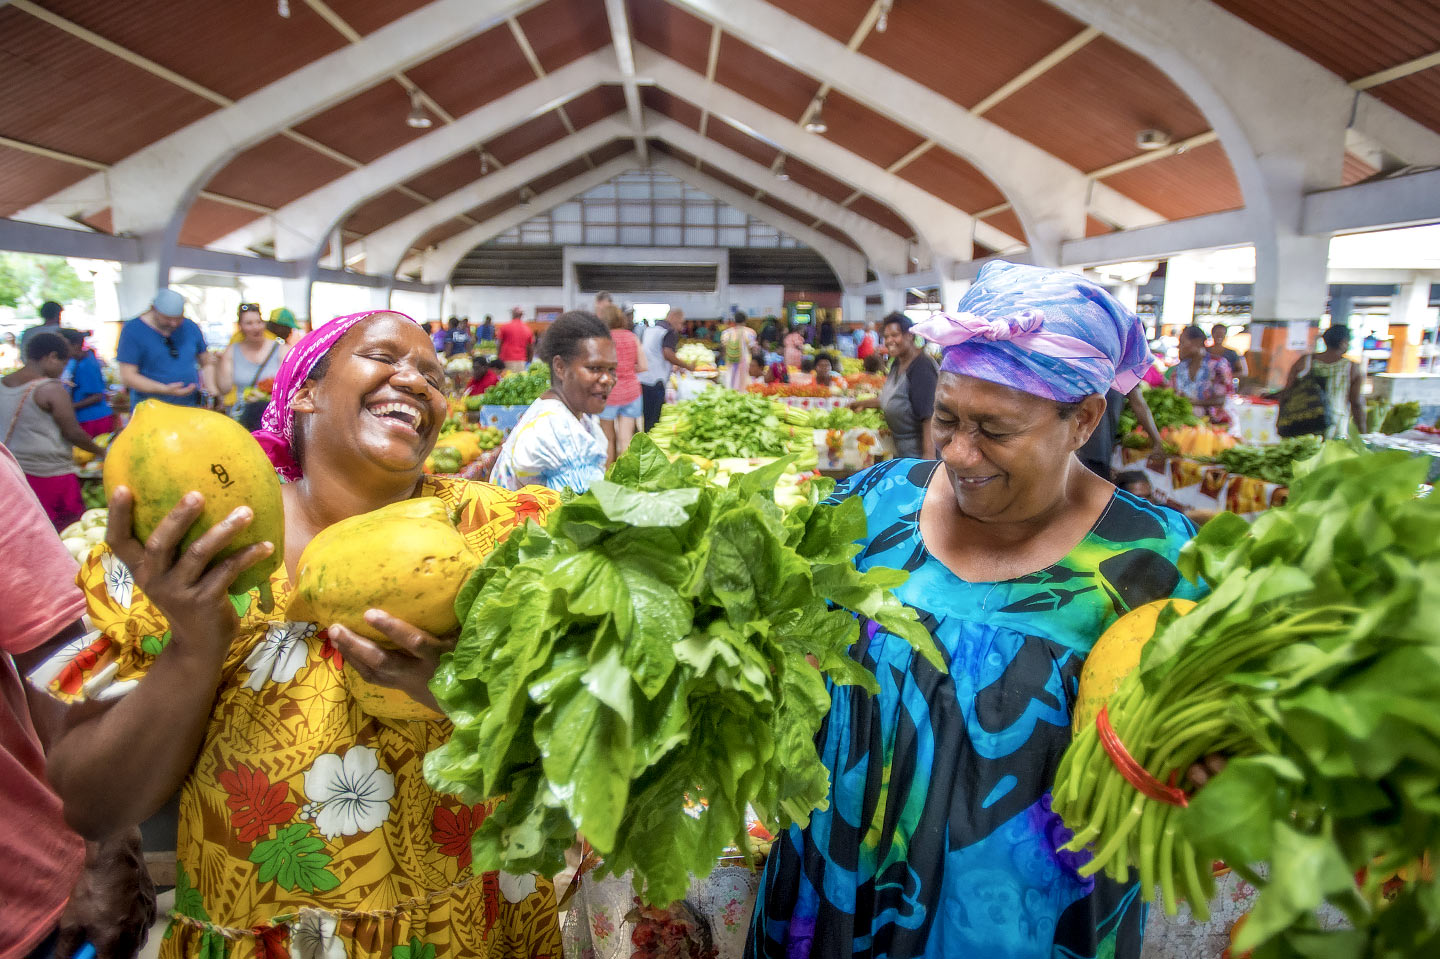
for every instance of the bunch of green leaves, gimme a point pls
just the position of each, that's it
(844, 418)
(519, 389)
(724, 423)
(651, 645)
(1400, 417)
(1314, 665)
(1273, 464)
(1168, 407)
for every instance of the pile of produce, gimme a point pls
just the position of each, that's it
(1314, 666)
(1384, 418)
(518, 389)
(85, 456)
(844, 418)
(661, 639)
(459, 364)
(1273, 464)
(698, 355)
(456, 449)
(260, 391)
(1198, 442)
(85, 533)
(1168, 407)
(850, 366)
(791, 389)
(723, 423)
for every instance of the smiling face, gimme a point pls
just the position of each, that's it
(1007, 453)
(381, 399)
(585, 380)
(252, 327)
(898, 342)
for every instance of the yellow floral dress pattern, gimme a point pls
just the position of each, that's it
(306, 827)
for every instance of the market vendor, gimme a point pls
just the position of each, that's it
(908, 397)
(938, 839)
(825, 374)
(558, 442)
(484, 373)
(306, 825)
(1201, 378)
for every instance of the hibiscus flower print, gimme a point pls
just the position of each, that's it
(451, 830)
(330, 651)
(313, 936)
(349, 795)
(280, 654)
(255, 803)
(118, 581)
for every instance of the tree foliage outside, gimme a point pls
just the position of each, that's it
(26, 281)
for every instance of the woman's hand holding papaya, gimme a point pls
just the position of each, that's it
(188, 586)
(408, 667)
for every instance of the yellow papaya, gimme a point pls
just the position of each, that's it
(1114, 655)
(167, 451)
(406, 558)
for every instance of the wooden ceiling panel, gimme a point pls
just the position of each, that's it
(660, 146)
(839, 18)
(209, 220)
(474, 73)
(595, 104)
(1087, 109)
(807, 176)
(1094, 227)
(671, 31)
(234, 49)
(559, 176)
(837, 236)
(441, 233)
(734, 183)
(1007, 222)
(26, 178)
(780, 206)
(872, 209)
(1417, 96)
(274, 172)
(381, 211)
(770, 83)
(519, 142)
(444, 178)
(1343, 36)
(367, 16)
(562, 31)
(952, 179)
(968, 49)
(741, 142)
(494, 208)
(368, 125)
(60, 92)
(1355, 170)
(861, 130)
(1194, 182)
(611, 150)
(662, 101)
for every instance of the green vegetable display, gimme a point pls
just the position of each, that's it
(843, 418)
(446, 459)
(1273, 464)
(648, 646)
(723, 423)
(92, 494)
(1400, 417)
(1168, 407)
(1315, 666)
(519, 389)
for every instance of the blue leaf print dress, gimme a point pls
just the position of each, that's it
(939, 839)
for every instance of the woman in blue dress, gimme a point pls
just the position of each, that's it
(939, 839)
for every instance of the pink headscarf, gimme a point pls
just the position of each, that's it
(276, 434)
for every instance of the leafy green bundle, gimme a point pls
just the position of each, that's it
(1314, 665)
(721, 423)
(1273, 464)
(1168, 407)
(519, 389)
(648, 645)
(843, 418)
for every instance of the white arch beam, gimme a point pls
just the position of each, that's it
(948, 231)
(301, 227)
(1049, 195)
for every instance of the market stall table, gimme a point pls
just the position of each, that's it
(1204, 486)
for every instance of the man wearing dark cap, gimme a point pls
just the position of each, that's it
(162, 355)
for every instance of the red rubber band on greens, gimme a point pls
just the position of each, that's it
(1132, 772)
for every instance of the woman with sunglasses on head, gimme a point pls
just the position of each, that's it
(247, 362)
(938, 838)
(306, 826)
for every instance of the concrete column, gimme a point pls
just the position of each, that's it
(1342, 301)
(1410, 317)
(296, 291)
(137, 286)
(569, 279)
(892, 299)
(1291, 285)
(380, 297)
(1128, 293)
(722, 281)
(1177, 308)
(852, 306)
(951, 288)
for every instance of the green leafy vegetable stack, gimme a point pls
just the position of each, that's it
(648, 645)
(519, 389)
(1168, 407)
(1315, 666)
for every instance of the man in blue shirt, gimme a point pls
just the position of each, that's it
(162, 355)
(87, 386)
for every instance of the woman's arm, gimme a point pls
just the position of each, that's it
(225, 376)
(54, 399)
(118, 762)
(641, 363)
(927, 438)
(1357, 396)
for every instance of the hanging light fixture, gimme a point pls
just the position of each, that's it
(816, 123)
(418, 118)
(883, 20)
(282, 7)
(484, 162)
(526, 195)
(780, 173)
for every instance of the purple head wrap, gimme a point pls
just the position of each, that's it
(1045, 332)
(276, 434)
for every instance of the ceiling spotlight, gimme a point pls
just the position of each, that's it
(883, 20)
(816, 123)
(484, 163)
(526, 195)
(418, 118)
(1152, 139)
(780, 173)
(283, 8)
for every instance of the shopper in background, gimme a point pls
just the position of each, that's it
(1343, 379)
(162, 355)
(659, 342)
(794, 342)
(736, 343)
(38, 425)
(487, 330)
(825, 333)
(1239, 368)
(558, 442)
(1099, 449)
(908, 397)
(245, 364)
(439, 335)
(1200, 377)
(624, 411)
(865, 343)
(770, 334)
(9, 352)
(50, 312)
(56, 894)
(516, 342)
(458, 338)
(89, 393)
(283, 326)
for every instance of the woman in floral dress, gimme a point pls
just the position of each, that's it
(306, 825)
